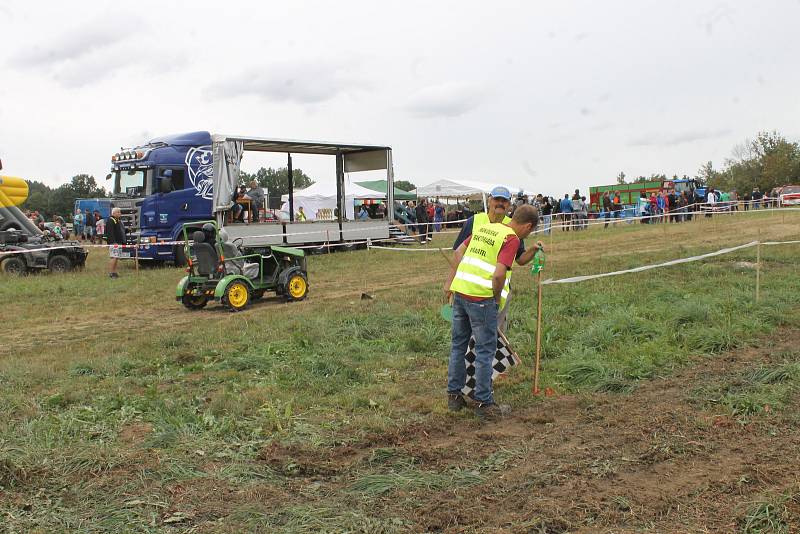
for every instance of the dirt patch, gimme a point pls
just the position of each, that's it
(135, 434)
(656, 459)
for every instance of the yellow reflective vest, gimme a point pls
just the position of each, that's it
(474, 274)
(479, 219)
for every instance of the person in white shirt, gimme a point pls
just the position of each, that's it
(711, 200)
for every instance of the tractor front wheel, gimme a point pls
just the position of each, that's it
(237, 296)
(296, 287)
(194, 302)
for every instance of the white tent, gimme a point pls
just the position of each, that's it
(460, 188)
(323, 196)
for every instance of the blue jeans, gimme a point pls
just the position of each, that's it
(547, 222)
(478, 319)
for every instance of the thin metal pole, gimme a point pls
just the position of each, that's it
(758, 268)
(538, 334)
(290, 176)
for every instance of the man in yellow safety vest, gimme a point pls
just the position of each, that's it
(480, 284)
(498, 205)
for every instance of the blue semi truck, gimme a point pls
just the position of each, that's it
(161, 185)
(172, 180)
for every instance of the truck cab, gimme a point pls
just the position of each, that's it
(161, 185)
(686, 185)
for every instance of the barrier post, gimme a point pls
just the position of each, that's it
(136, 256)
(538, 266)
(758, 267)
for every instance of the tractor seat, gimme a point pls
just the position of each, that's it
(250, 270)
(229, 250)
(205, 253)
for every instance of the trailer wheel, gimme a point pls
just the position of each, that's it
(237, 296)
(14, 266)
(194, 302)
(59, 264)
(296, 287)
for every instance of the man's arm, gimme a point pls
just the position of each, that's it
(527, 256)
(498, 280)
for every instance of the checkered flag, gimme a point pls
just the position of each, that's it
(504, 358)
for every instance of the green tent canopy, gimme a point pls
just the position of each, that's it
(380, 186)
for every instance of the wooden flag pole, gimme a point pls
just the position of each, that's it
(538, 334)
(450, 263)
(328, 240)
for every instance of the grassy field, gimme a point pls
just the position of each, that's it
(126, 412)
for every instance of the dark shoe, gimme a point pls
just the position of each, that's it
(113, 275)
(455, 402)
(488, 412)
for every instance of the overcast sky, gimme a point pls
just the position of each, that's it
(543, 95)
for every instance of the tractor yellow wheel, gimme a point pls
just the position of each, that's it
(297, 287)
(237, 296)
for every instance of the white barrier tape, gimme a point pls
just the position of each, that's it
(769, 243)
(576, 279)
(371, 246)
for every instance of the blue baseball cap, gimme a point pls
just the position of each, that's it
(500, 192)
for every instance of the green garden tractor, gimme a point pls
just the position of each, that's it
(235, 275)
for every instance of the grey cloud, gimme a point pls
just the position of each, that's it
(302, 82)
(445, 100)
(75, 74)
(94, 52)
(70, 46)
(106, 63)
(666, 139)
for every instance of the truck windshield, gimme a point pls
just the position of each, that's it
(130, 183)
(680, 187)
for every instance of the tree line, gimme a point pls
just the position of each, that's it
(768, 161)
(60, 200)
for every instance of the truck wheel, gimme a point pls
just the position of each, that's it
(59, 264)
(194, 302)
(237, 296)
(296, 287)
(180, 256)
(14, 266)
